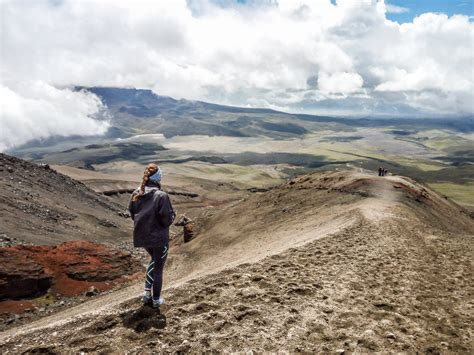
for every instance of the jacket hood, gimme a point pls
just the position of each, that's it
(149, 191)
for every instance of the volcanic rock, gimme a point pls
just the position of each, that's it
(21, 276)
(68, 269)
(92, 291)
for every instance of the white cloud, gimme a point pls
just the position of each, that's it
(343, 83)
(394, 9)
(37, 110)
(280, 53)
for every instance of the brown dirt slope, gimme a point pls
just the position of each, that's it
(41, 206)
(339, 261)
(307, 208)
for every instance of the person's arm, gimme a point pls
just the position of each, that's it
(130, 207)
(165, 212)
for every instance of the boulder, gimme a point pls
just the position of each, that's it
(92, 291)
(69, 269)
(87, 261)
(21, 276)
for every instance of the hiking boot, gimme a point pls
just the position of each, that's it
(147, 301)
(157, 303)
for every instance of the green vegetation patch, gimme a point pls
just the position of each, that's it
(460, 193)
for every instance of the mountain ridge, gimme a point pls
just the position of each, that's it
(144, 103)
(345, 260)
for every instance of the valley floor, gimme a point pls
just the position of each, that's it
(384, 283)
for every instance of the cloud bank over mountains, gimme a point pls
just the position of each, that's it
(37, 111)
(294, 55)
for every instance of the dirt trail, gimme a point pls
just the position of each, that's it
(367, 288)
(109, 301)
(370, 266)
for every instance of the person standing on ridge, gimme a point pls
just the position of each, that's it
(152, 214)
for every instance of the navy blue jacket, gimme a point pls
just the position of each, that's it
(152, 216)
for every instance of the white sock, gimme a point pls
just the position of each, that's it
(147, 293)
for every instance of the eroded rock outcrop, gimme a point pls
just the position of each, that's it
(21, 276)
(68, 269)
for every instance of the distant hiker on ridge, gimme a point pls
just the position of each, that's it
(152, 214)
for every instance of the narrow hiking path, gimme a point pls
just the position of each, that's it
(373, 286)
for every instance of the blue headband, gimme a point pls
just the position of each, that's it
(156, 177)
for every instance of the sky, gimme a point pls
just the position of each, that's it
(358, 58)
(406, 10)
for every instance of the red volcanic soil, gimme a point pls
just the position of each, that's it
(68, 269)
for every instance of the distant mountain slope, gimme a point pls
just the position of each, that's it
(137, 110)
(42, 206)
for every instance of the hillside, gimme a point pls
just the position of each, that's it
(133, 110)
(313, 206)
(41, 206)
(327, 262)
(148, 127)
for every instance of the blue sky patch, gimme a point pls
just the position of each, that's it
(407, 10)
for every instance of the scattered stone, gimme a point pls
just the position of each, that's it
(184, 346)
(92, 291)
(107, 223)
(384, 305)
(124, 214)
(6, 241)
(143, 319)
(390, 336)
(12, 319)
(369, 333)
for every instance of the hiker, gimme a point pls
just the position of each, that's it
(385, 172)
(152, 214)
(380, 171)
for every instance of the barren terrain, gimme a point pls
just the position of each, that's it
(335, 261)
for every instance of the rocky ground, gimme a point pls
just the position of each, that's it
(394, 277)
(379, 285)
(38, 280)
(41, 206)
